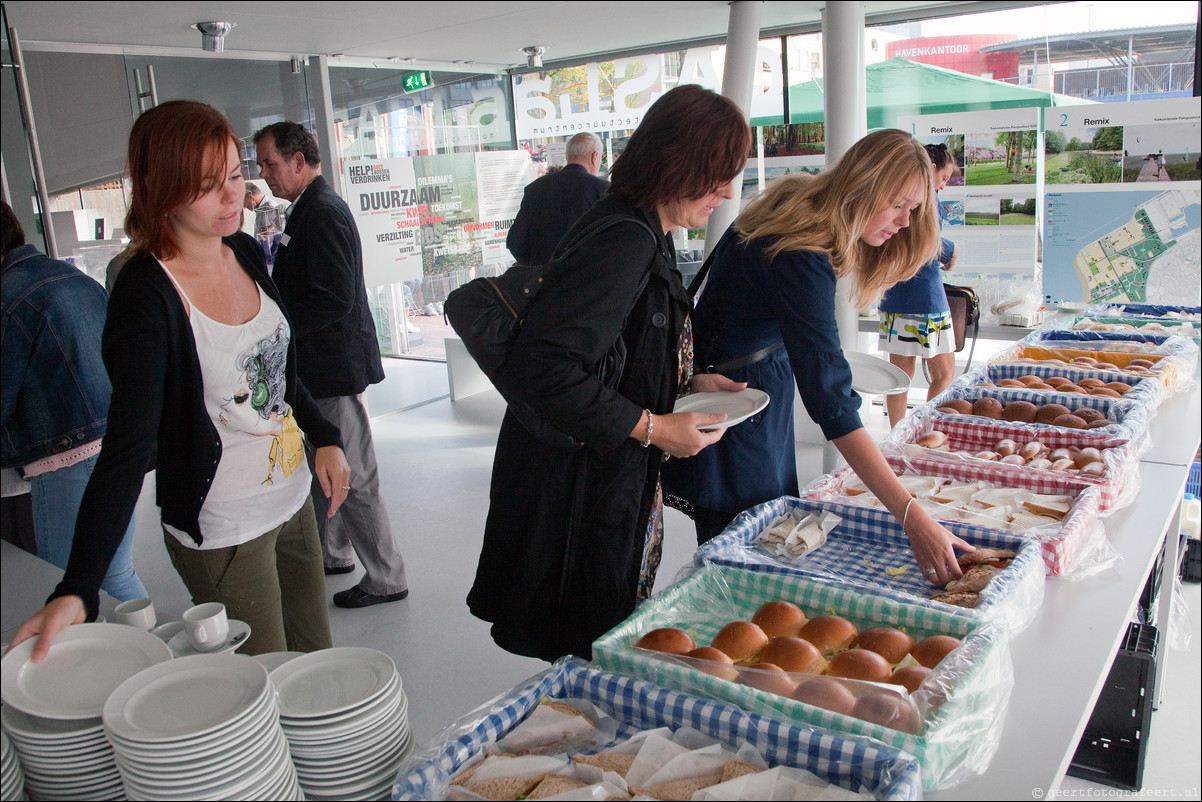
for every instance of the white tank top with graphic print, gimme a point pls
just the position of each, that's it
(262, 478)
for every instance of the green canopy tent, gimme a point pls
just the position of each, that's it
(900, 87)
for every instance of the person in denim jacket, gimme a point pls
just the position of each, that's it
(55, 395)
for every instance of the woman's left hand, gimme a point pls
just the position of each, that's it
(714, 383)
(334, 474)
(934, 547)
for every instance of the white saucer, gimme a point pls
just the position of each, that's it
(875, 376)
(737, 407)
(273, 660)
(237, 637)
(168, 630)
(105, 654)
(1073, 306)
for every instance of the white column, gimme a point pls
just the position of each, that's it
(738, 76)
(845, 110)
(846, 115)
(323, 114)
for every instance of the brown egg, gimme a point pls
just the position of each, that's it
(1070, 422)
(1049, 412)
(1019, 411)
(987, 408)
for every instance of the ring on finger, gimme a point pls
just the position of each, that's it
(931, 571)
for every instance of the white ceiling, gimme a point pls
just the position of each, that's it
(490, 35)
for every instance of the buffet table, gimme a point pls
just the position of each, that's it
(1062, 660)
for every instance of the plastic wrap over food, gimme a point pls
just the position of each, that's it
(645, 734)
(1168, 312)
(1060, 512)
(1166, 361)
(866, 550)
(950, 721)
(1110, 463)
(1131, 324)
(1119, 417)
(1068, 381)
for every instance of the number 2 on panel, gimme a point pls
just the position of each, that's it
(1063, 120)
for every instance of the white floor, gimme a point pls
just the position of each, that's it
(435, 459)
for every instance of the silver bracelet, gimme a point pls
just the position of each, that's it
(906, 514)
(650, 424)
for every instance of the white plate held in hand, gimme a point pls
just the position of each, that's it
(875, 376)
(737, 406)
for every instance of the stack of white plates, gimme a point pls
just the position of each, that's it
(201, 727)
(345, 716)
(63, 759)
(12, 780)
(52, 708)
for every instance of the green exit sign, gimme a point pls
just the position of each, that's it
(416, 81)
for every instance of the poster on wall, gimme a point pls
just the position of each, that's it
(1123, 208)
(388, 206)
(990, 208)
(447, 232)
(501, 178)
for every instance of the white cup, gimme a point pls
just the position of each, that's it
(206, 625)
(136, 613)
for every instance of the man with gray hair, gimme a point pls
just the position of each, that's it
(551, 204)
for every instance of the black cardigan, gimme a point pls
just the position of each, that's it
(150, 355)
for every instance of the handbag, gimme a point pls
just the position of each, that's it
(488, 312)
(966, 315)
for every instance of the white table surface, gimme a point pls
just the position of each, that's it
(27, 581)
(1063, 659)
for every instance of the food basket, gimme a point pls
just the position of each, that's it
(1163, 311)
(1073, 547)
(1128, 418)
(1169, 364)
(883, 771)
(964, 699)
(867, 551)
(1117, 324)
(1146, 391)
(969, 436)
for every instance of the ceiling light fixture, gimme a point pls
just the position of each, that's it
(212, 35)
(534, 55)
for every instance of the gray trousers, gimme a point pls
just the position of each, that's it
(360, 527)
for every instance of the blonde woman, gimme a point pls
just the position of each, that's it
(767, 317)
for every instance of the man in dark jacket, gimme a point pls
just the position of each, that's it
(319, 272)
(551, 204)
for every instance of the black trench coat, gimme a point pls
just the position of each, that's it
(564, 538)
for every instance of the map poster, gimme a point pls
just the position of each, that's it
(386, 203)
(1123, 213)
(500, 180)
(991, 207)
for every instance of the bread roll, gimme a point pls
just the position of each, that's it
(930, 651)
(948, 410)
(779, 618)
(1070, 422)
(1099, 424)
(1049, 412)
(1040, 464)
(1031, 450)
(889, 710)
(1084, 360)
(1064, 464)
(1013, 459)
(1118, 387)
(889, 642)
(932, 439)
(829, 633)
(989, 455)
(1090, 382)
(1141, 363)
(1086, 456)
(741, 640)
(987, 408)
(793, 654)
(827, 693)
(767, 677)
(860, 664)
(718, 662)
(1060, 453)
(909, 677)
(1009, 383)
(668, 640)
(1088, 414)
(1106, 366)
(1019, 411)
(1094, 469)
(961, 405)
(1030, 379)
(1057, 381)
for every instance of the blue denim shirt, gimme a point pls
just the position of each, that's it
(55, 389)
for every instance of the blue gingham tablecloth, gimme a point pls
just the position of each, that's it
(863, 545)
(886, 773)
(1145, 391)
(1075, 546)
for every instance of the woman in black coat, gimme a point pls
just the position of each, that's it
(568, 519)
